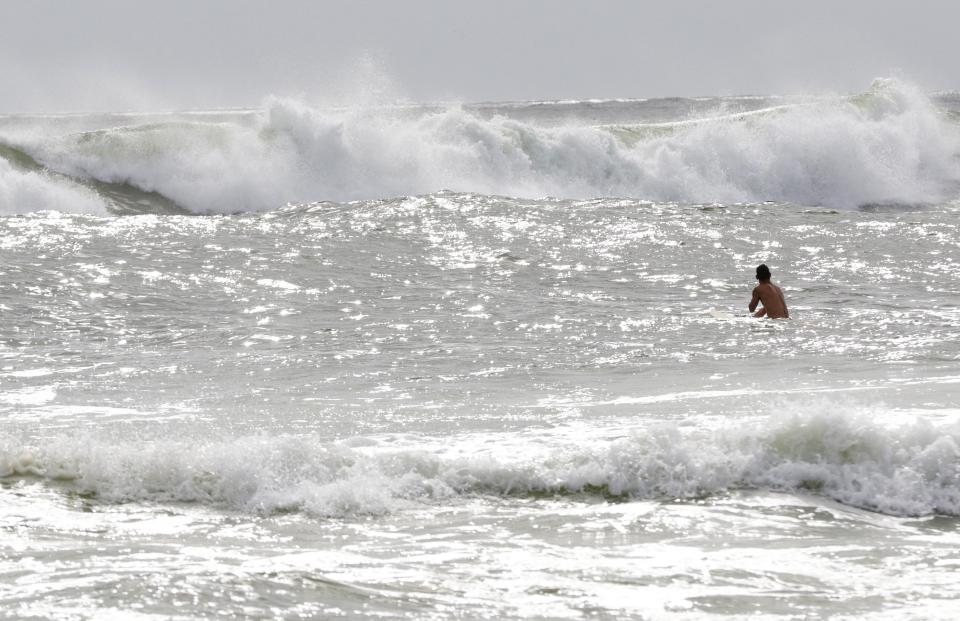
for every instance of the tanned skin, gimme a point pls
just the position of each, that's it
(770, 295)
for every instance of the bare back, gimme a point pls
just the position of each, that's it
(771, 297)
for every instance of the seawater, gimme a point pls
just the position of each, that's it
(502, 369)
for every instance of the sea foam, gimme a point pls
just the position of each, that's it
(889, 145)
(25, 191)
(906, 469)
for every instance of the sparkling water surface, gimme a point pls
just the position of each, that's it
(463, 405)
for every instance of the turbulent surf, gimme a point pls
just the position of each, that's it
(892, 144)
(483, 360)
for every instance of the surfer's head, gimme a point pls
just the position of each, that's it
(763, 272)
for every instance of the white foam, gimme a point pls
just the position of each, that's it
(889, 146)
(30, 191)
(908, 468)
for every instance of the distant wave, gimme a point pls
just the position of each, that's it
(913, 469)
(891, 144)
(27, 186)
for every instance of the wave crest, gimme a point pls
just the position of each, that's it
(889, 145)
(913, 469)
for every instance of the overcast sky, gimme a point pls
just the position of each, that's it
(68, 55)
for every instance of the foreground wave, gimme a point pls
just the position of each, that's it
(892, 144)
(909, 470)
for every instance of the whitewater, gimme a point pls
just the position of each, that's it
(482, 360)
(889, 145)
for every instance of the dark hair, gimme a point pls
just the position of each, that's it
(763, 272)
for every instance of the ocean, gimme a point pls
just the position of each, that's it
(482, 361)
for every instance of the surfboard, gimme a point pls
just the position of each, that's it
(722, 315)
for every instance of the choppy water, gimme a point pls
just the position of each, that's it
(467, 405)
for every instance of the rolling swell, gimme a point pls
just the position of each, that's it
(26, 186)
(889, 145)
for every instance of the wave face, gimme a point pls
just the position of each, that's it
(892, 144)
(913, 469)
(24, 190)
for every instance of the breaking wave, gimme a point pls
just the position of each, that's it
(913, 469)
(890, 145)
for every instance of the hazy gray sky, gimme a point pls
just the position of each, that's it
(127, 54)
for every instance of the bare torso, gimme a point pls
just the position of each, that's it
(771, 297)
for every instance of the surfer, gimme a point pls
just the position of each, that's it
(770, 295)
